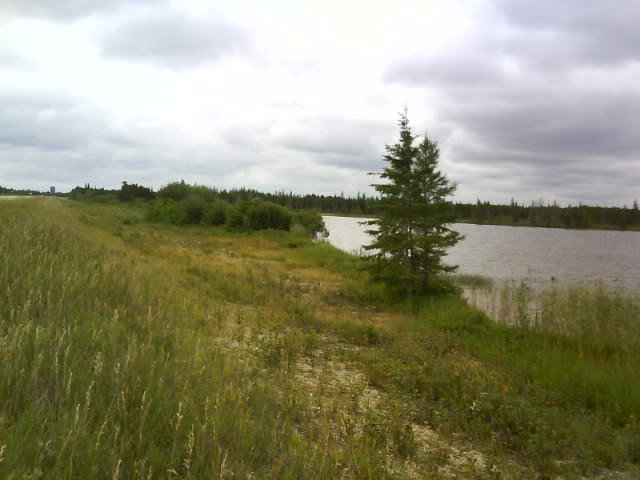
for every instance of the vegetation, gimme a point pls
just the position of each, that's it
(11, 191)
(179, 203)
(136, 350)
(411, 234)
(551, 215)
(129, 192)
(183, 204)
(537, 214)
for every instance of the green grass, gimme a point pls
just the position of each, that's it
(130, 350)
(106, 374)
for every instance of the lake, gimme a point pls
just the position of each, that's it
(531, 254)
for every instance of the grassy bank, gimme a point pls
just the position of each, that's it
(130, 350)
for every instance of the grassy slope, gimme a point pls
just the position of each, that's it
(137, 351)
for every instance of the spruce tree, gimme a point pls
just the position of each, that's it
(411, 234)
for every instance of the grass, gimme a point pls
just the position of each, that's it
(129, 350)
(586, 338)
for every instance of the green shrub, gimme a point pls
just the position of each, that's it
(216, 213)
(312, 222)
(235, 219)
(266, 215)
(191, 210)
(174, 191)
(163, 210)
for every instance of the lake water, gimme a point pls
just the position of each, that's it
(535, 255)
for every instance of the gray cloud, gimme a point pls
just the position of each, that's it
(547, 123)
(337, 141)
(65, 141)
(171, 39)
(43, 122)
(483, 171)
(573, 32)
(522, 105)
(449, 71)
(530, 100)
(66, 10)
(329, 134)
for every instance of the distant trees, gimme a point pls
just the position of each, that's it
(127, 193)
(93, 194)
(411, 234)
(11, 191)
(537, 214)
(132, 191)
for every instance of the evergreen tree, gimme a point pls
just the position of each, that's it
(411, 234)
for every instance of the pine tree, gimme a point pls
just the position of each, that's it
(411, 235)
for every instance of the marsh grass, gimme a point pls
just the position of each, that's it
(130, 350)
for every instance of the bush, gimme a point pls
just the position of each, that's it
(191, 210)
(165, 210)
(235, 219)
(181, 204)
(265, 215)
(216, 213)
(312, 222)
(129, 192)
(174, 191)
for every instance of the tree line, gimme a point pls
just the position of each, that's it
(535, 214)
(550, 215)
(337, 204)
(11, 191)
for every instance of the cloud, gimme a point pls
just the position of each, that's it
(43, 122)
(550, 123)
(175, 40)
(449, 71)
(573, 32)
(527, 99)
(338, 141)
(538, 95)
(66, 10)
(63, 139)
(15, 61)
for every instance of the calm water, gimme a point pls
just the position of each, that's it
(525, 253)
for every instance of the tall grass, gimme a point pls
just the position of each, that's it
(581, 340)
(200, 353)
(594, 316)
(105, 374)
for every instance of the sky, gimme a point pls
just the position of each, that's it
(535, 101)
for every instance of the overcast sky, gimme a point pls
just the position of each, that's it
(527, 99)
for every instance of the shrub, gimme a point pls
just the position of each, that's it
(216, 213)
(163, 210)
(174, 191)
(235, 219)
(265, 215)
(191, 210)
(312, 222)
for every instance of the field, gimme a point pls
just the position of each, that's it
(132, 350)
